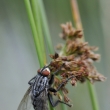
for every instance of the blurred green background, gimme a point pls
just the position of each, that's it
(18, 62)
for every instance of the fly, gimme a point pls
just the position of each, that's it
(39, 91)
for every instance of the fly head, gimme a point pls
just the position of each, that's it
(45, 71)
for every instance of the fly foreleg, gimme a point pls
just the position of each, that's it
(32, 80)
(52, 76)
(51, 80)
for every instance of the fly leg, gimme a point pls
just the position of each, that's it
(61, 85)
(32, 80)
(54, 90)
(57, 102)
(58, 69)
(52, 76)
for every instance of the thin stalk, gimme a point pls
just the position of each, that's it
(47, 33)
(34, 18)
(50, 107)
(36, 26)
(48, 39)
(63, 107)
(76, 14)
(46, 27)
(92, 93)
(77, 20)
(37, 19)
(34, 31)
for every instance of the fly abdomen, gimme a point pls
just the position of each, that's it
(40, 102)
(35, 93)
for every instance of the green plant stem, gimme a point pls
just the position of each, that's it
(34, 31)
(77, 20)
(37, 19)
(34, 17)
(46, 27)
(50, 106)
(47, 33)
(48, 39)
(92, 93)
(35, 25)
(63, 107)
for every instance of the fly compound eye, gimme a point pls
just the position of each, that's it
(46, 72)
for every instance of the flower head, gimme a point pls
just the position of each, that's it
(77, 57)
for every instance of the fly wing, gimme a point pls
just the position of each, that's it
(25, 103)
(41, 102)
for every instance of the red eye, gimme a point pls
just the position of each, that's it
(46, 73)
